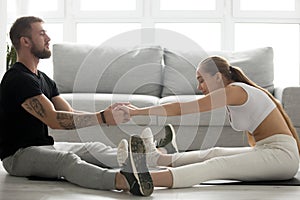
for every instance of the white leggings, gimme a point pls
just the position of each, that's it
(273, 158)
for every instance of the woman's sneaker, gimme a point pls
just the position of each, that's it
(134, 168)
(169, 142)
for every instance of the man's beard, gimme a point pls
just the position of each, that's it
(41, 54)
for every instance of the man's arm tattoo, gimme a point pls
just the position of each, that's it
(28, 107)
(65, 120)
(37, 107)
(71, 121)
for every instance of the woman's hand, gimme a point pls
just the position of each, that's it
(113, 115)
(128, 108)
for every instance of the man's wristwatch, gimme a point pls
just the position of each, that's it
(102, 117)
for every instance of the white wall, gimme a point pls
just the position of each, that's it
(3, 24)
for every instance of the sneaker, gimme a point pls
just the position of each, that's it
(135, 169)
(169, 142)
(152, 154)
(122, 152)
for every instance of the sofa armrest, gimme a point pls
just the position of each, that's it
(290, 98)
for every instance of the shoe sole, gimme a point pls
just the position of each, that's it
(170, 128)
(123, 153)
(139, 166)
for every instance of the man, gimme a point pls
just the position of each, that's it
(30, 103)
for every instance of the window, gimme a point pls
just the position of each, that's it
(187, 5)
(42, 5)
(206, 35)
(212, 24)
(287, 5)
(272, 23)
(55, 32)
(11, 6)
(105, 5)
(48, 8)
(273, 9)
(187, 8)
(94, 9)
(102, 31)
(284, 38)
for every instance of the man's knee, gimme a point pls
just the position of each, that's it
(69, 157)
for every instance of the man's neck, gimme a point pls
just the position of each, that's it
(30, 62)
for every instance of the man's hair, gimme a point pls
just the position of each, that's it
(21, 28)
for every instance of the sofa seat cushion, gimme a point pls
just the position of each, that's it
(92, 102)
(216, 117)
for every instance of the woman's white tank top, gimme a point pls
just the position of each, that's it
(247, 117)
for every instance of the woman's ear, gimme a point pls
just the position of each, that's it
(218, 77)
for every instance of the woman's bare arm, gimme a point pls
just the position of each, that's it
(230, 95)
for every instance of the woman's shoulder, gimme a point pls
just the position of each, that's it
(237, 86)
(241, 84)
(236, 93)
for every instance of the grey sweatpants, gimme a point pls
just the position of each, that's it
(85, 164)
(273, 158)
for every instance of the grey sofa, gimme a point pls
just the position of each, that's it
(91, 78)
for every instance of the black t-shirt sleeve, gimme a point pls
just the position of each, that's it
(27, 86)
(54, 89)
(50, 89)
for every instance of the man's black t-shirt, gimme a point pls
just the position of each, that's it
(18, 128)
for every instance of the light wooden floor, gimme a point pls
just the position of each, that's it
(14, 188)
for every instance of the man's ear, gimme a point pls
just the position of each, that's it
(25, 41)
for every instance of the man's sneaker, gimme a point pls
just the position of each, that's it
(122, 152)
(169, 142)
(135, 169)
(152, 154)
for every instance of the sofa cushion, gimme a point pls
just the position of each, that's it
(290, 101)
(108, 69)
(180, 68)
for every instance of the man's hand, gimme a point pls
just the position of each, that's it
(128, 108)
(114, 116)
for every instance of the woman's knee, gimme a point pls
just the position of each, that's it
(214, 152)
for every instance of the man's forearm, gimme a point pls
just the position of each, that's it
(43, 109)
(69, 120)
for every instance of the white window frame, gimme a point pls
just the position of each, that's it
(265, 14)
(102, 14)
(276, 17)
(148, 13)
(22, 9)
(171, 14)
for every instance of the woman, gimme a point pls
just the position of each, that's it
(274, 144)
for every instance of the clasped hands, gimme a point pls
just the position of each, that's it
(118, 113)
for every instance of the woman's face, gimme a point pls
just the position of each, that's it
(207, 82)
